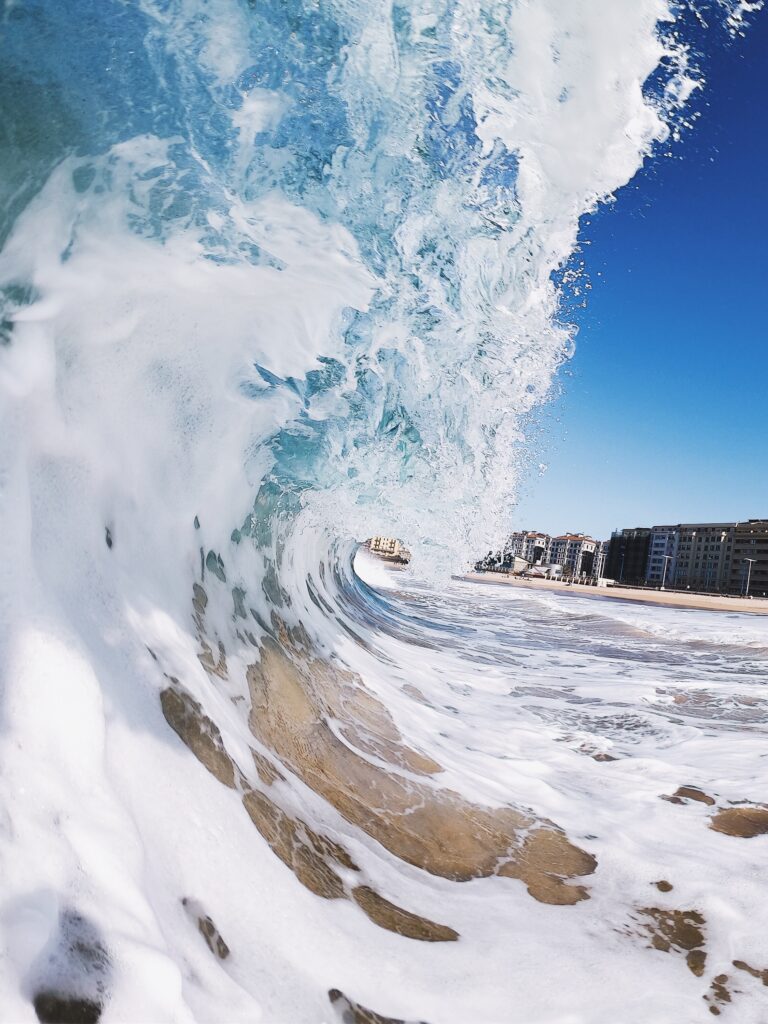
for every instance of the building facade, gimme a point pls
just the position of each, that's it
(598, 562)
(662, 555)
(575, 552)
(533, 547)
(703, 556)
(711, 557)
(729, 558)
(627, 559)
(749, 559)
(388, 548)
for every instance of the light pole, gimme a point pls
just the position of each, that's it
(667, 560)
(721, 563)
(750, 562)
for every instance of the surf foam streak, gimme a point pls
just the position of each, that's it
(276, 276)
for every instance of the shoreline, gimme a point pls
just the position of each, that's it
(668, 598)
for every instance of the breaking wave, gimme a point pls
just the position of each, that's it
(276, 276)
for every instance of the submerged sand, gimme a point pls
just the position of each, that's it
(674, 599)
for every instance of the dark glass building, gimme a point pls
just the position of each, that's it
(627, 557)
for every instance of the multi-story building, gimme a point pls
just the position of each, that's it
(749, 558)
(662, 552)
(389, 548)
(726, 557)
(575, 552)
(698, 556)
(598, 562)
(533, 547)
(703, 556)
(627, 557)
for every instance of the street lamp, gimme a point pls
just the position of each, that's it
(667, 560)
(721, 563)
(750, 562)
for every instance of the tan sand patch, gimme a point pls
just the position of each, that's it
(202, 736)
(745, 822)
(415, 692)
(683, 794)
(680, 931)
(320, 722)
(754, 971)
(718, 994)
(313, 858)
(214, 666)
(350, 1012)
(207, 928)
(545, 862)
(299, 847)
(294, 701)
(395, 919)
(266, 771)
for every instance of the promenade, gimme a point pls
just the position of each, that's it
(673, 599)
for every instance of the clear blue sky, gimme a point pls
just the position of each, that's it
(664, 416)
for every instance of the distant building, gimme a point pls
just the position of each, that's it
(389, 548)
(533, 547)
(749, 558)
(662, 554)
(716, 557)
(575, 552)
(627, 558)
(713, 557)
(572, 555)
(598, 561)
(703, 556)
(384, 545)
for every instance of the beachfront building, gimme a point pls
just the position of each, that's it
(533, 547)
(598, 561)
(712, 557)
(575, 552)
(703, 556)
(715, 557)
(388, 548)
(627, 558)
(749, 558)
(662, 554)
(519, 565)
(384, 546)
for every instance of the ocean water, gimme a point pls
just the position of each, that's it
(277, 276)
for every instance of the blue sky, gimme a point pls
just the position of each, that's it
(664, 416)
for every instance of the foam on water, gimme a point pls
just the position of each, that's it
(276, 276)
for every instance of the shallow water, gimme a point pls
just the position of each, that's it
(639, 731)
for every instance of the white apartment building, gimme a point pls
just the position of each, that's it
(533, 547)
(388, 547)
(574, 552)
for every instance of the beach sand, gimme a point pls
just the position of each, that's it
(674, 599)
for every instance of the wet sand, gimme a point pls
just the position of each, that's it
(674, 599)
